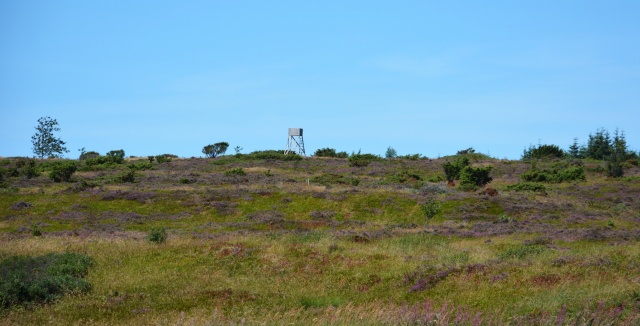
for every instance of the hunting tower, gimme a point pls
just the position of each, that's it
(295, 142)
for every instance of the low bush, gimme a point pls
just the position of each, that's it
(88, 155)
(362, 160)
(452, 170)
(140, 166)
(528, 186)
(330, 152)
(236, 171)
(42, 279)
(157, 235)
(558, 172)
(473, 178)
(126, 176)
(115, 156)
(164, 158)
(542, 152)
(405, 176)
(431, 209)
(62, 171)
(522, 251)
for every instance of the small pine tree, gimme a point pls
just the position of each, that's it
(390, 153)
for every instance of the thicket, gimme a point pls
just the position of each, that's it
(111, 159)
(558, 172)
(42, 279)
(330, 152)
(24, 168)
(473, 178)
(362, 160)
(528, 186)
(62, 171)
(543, 152)
(452, 170)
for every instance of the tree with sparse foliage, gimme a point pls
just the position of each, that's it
(44, 142)
(215, 149)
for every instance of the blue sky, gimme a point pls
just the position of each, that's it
(154, 77)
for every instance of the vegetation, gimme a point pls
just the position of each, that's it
(390, 153)
(157, 235)
(330, 152)
(320, 241)
(62, 171)
(41, 279)
(217, 149)
(557, 172)
(45, 144)
(543, 152)
(473, 178)
(452, 170)
(362, 160)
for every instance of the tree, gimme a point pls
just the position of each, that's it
(575, 151)
(391, 153)
(215, 149)
(44, 143)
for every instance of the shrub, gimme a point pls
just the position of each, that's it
(216, 149)
(87, 155)
(236, 171)
(42, 279)
(126, 176)
(528, 186)
(469, 150)
(27, 169)
(543, 151)
(362, 160)
(452, 170)
(151, 158)
(411, 157)
(163, 158)
(558, 172)
(431, 208)
(473, 178)
(157, 235)
(62, 172)
(115, 156)
(330, 152)
(140, 166)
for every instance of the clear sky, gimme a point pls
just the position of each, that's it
(428, 77)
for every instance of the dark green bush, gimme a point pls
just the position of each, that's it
(411, 157)
(330, 152)
(157, 235)
(469, 150)
(140, 166)
(452, 170)
(87, 155)
(558, 172)
(42, 279)
(163, 158)
(24, 168)
(62, 171)
(543, 151)
(361, 160)
(472, 178)
(272, 155)
(528, 186)
(125, 176)
(115, 156)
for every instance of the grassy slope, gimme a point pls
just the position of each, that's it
(271, 247)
